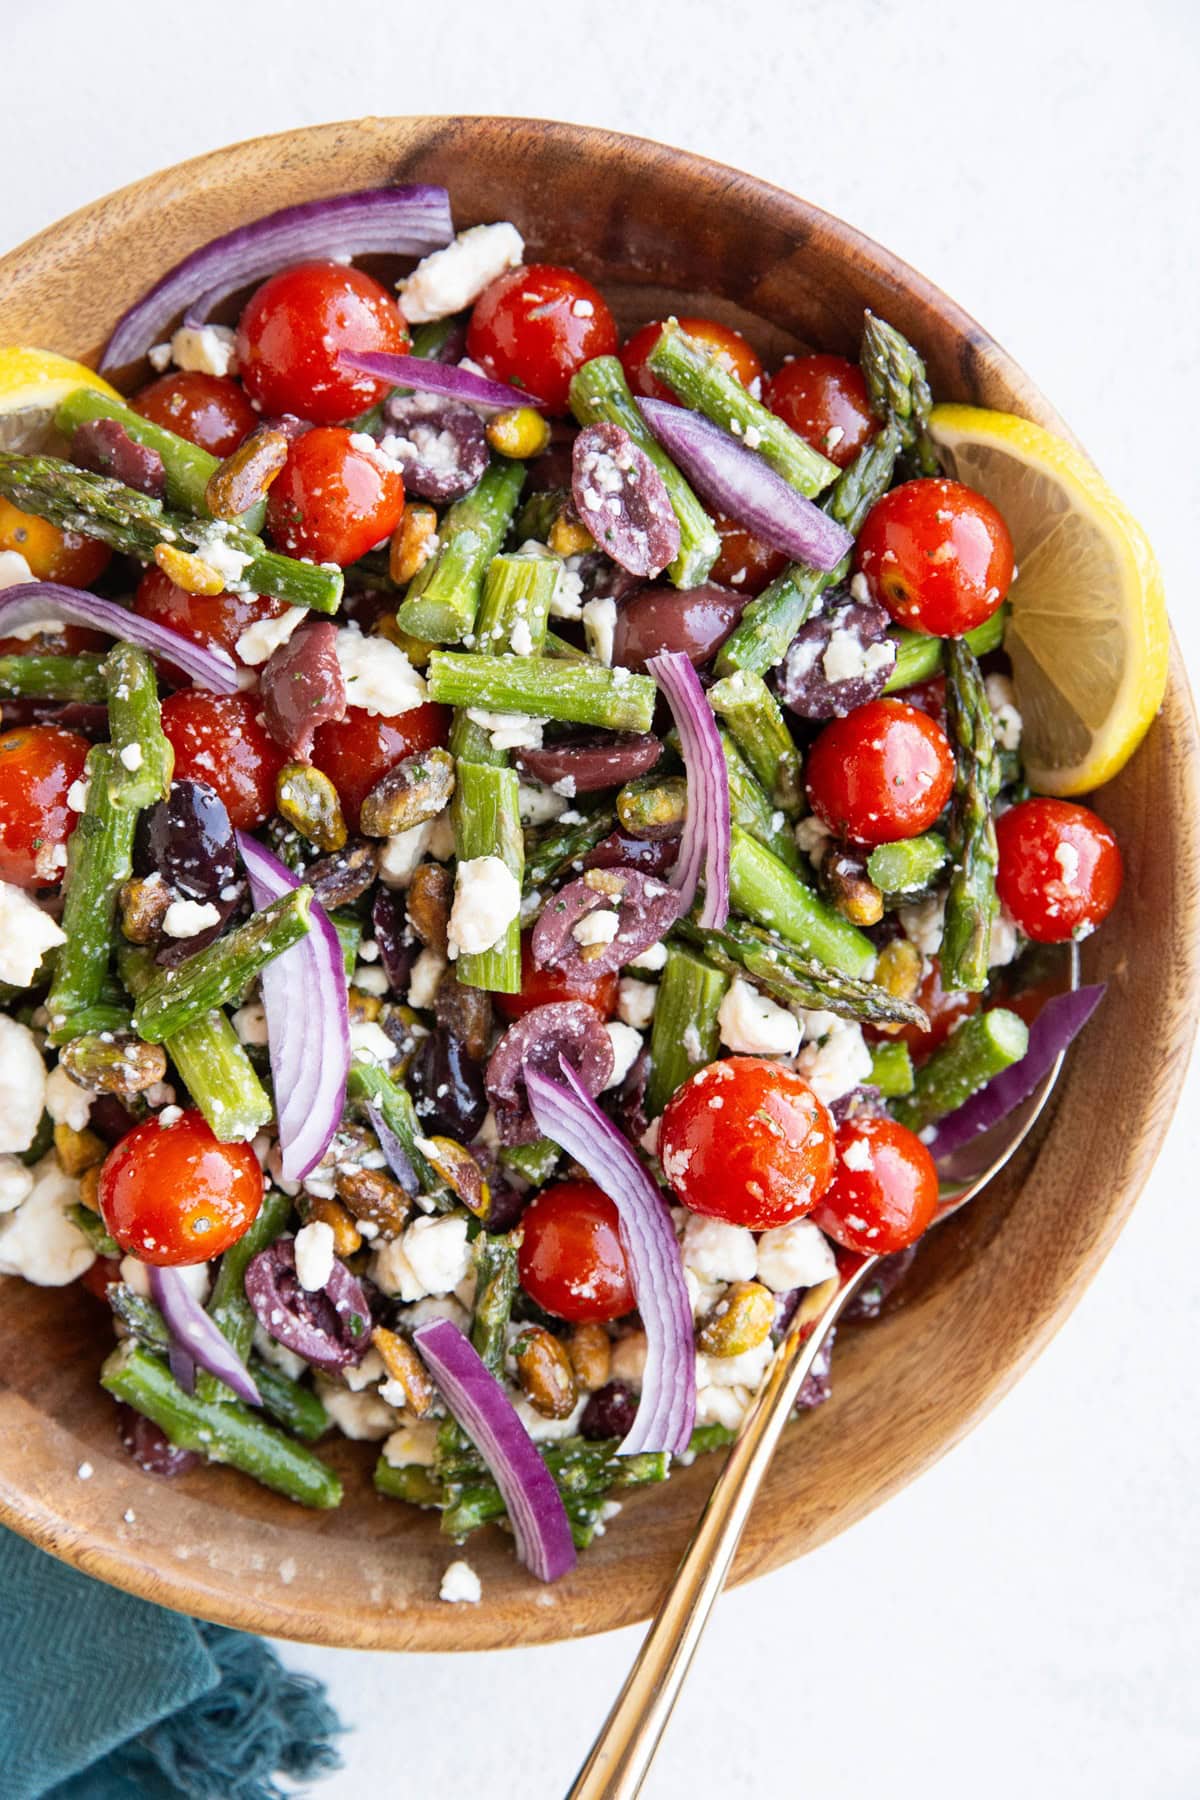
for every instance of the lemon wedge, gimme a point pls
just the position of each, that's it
(33, 384)
(1088, 635)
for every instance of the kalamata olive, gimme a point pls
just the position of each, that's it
(562, 1031)
(645, 909)
(106, 448)
(816, 1387)
(447, 1087)
(341, 878)
(838, 660)
(330, 1327)
(465, 1012)
(875, 1294)
(592, 760)
(302, 686)
(858, 1103)
(622, 499)
(397, 951)
(110, 1118)
(439, 444)
(189, 840)
(178, 950)
(506, 1208)
(617, 851)
(626, 1104)
(696, 621)
(609, 1413)
(150, 1447)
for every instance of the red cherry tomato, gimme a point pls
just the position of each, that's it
(571, 1260)
(534, 327)
(745, 564)
(209, 410)
(942, 1007)
(883, 772)
(928, 697)
(355, 752)
(937, 555)
(747, 1141)
(824, 400)
(885, 1190)
(333, 501)
(217, 621)
(52, 555)
(98, 1276)
(293, 330)
(175, 1194)
(1060, 869)
(38, 763)
(729, 347)
(542, 987)
(217, 738)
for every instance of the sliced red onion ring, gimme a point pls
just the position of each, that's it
(196, 1339)
(446, 379)
(479, 1403)
(667, 1408)
(30, 600)
(706, 833)
(1059, 1022)
(308, 1025)
(738, 482)
(407, 221)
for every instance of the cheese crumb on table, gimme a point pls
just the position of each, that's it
(461, 1585)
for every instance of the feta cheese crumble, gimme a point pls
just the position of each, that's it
(599, 625)
(259, 642)
(753, 1025)
(431, 1257)
(26, 933)
(22, 1085)
(718, 1251)
(314, 1255)
(377, 673)
(451, 279)
(40, 1241)
(461, 1585)
(626, 1048)
(187, 918)
(487, 898)
(636, 1001)
(795, 1255)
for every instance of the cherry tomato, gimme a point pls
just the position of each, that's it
(729, 348)
(293, 330)
(824, 400)
(209, 410)
(745, 564)
(534, 327)
(355, 752)
(67, 642)
(883, 772)
(175, 1194)
(38, 764)
(937, 555)
(217, 621)
(747, 1141)
(542, 987)
(571, 1259)
(943, 1007)
(884, 1192)
(217, 739)
(333, 500)
(98, 1276)
(52, 555)
(1060, 869)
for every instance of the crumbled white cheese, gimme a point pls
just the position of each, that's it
(229, 563)
(370, 980)
(66, 1101)
(186, 918)
(441, 836)
(548, 1431)
(812, 837)
(451, 279)
(368, 1373)
(379, 677)
(724, 1406)
(795, 1255)
(131, 757)
(520, 639)
(753, 1025)
(401, 854)
(566, 602)
(652, 960)
(539, 805)
(923, 923)
(600, 624)
(487, 898)
(371, 1042)
(636, 1001)
(14, 572)
(416, 1443)
(314, 1255)
(461, 1585)
(250, 1023)
(702, 1295)
(858, 1155)
(40, 1241)
(718, 1251)
(278, 1355)
(77, 795)
(847, 658)
(26, 933)
(16, 1183)
(626, 1048)
(508, 731)
(259, 642)
(22, 1085)
(598, 927)
(425, 978)
(744, 1370)
(1004, 942)
(210, 349)
(364, 1417)
(839, 1064)
(431, 1257)
(1006, 720)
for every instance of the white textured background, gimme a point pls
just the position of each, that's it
(1023, 1620)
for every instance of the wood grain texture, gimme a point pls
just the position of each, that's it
(656, 228)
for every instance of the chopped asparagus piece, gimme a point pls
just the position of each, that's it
(757, 725)
(178, 997)
(909, 866)
(144, 757)
(211, 1061)
(99, 859)
(443, 597)
(891, 1069)
(766, 891)
(487, 822)
(38, 677)
(583, 693)
(794, 979)
(919, 656)
(971, 903)
(899, 391)
(981, 1047)
(228, 1306)
(685, 1035)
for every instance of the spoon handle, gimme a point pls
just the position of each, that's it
(623, 1751)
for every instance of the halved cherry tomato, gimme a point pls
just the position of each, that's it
(571, 1260)
(936, 555)
(292, 332)
(174, 1193)
(216, 621)
(729, 347)
(747, 1141)
(355, 752)
(883, 772)
(824, 400)
(745, 564)
(535, 327)
(52, 555)
(38, 764)
(209, 410)
(885, 1189)
(1060, 869)
(334, 499)
(217, 739)
(542, 987)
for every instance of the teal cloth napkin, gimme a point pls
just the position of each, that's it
(104, 1697)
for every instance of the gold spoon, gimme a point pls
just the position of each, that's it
(621, 1756)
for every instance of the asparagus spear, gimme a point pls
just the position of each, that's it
(443, 597)
(487, 822)
(99, 860)
(228, 1306)
(105, 1015)
(600, 394)
(144, 757)
(981, 1047)
(891, 1069)
(899, 391)
(38, 677)
(296, 1407)
(582, 1471)
(769, 623)
(496, 1286)
(513, 614)
(535, 1162)
(750, 808)
(971, 903)
(909, 866)
(766, 891)
(583, 693)
(135, 524)
(685, 1034)
(559, 848)
(794, 979)
(178, 997)
(757, 725)
(919, 656)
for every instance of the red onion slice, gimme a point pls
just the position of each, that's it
(30, 600)
(734, 479)
(707, 831)
(483, 1409)
(667, 1408)
(446, 379)
(308, 1025)
(407, 221)
(196, 1339)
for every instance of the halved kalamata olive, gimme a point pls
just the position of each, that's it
(338, 879)
(566, 1030)
(178, 950)
(696, 621)
(447, 1087)
(622, 500)
(110, 1118)
(838, 660)
(626, 1104)
(150, 1447)
(439, 444)
(645, 909)
(506, 1208)
(329, 1327)
(591, 761)
(465, 1012)
(397, 953)
(189, 840)
(302, 686)
(609, 1413)
(875, 1294)
(617, 851)
(106, 448)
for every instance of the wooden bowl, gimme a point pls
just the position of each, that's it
(658, 230)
